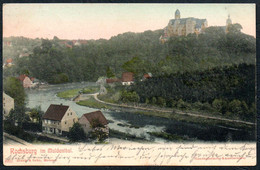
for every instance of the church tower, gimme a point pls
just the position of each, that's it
(177, 14)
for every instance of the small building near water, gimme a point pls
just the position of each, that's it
(58, 119)
(90, 121)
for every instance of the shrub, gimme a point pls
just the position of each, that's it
(217, 104)
(161, 102)
(76, 133)
(181, 104)
(153, 100)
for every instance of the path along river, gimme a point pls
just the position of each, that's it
(122, 121)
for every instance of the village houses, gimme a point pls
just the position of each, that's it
(58, 119)
(8, 104)
(93, 120)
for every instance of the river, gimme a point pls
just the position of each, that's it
(136, 124)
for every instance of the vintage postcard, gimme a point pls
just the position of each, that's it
(129, 84)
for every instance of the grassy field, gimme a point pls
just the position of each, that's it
(91, 102)
(90, 90)
(68, 93)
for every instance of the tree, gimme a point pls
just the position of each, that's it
(76, 133)
(99, 131)
(234, 28)
(18, 115)
(161, 102)
(36, 114)
(110, 73)
(217, 104)
(14, 88)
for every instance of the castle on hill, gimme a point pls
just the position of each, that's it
(184, 26)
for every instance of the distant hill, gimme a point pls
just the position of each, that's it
(136, 52)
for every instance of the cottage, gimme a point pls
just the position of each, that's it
(8, 104)
(127, 78)
(27, 82)
(58, 119)
(90, 121)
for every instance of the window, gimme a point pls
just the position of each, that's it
(50, 129)
(58, 123)
(73, 120)
(71, 113)
(68, 114)
(59, 131)
(65, 122)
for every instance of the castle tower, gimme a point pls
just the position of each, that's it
(177, 14)
(228, 22)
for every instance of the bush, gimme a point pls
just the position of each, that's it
(129, 97)
(76, 133)
(181, 104)
(17, 131)
(153, 100)
(217, 104)
(235, 107)
(161, 102)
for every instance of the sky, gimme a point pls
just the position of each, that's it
(95, 21)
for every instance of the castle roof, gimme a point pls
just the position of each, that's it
(177, 12)
(183, 21)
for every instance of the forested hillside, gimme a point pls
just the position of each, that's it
(226, 89)
(136, 52)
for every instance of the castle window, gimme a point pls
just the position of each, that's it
(65, 122)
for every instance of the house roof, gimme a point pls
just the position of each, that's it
(127, 76)
(112, 80)
(148, 75)
(22, 77)
(199, 22)
(55, 112)
(9, 60)
(97, 115)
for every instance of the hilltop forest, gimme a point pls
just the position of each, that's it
(136, 52)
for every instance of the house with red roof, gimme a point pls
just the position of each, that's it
(58, 119)
(26, 81)
(127, 78)
(93, 120)
(8, 63)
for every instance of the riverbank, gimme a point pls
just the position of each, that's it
(178, 115)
